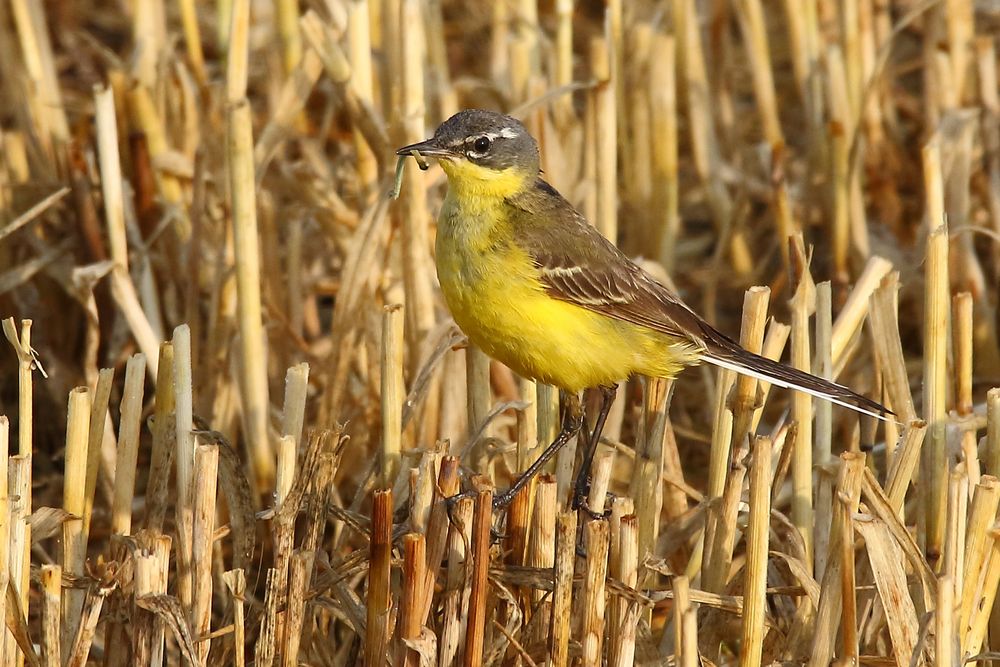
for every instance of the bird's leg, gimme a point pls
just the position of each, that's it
(583, 477)
(572, 423)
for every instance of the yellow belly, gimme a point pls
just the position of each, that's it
(497, 300)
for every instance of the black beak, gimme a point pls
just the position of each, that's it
(427, 149)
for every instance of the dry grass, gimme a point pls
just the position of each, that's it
(193, 209)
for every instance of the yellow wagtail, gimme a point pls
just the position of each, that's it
(535, 286)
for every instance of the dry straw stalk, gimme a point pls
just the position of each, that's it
(224, 166)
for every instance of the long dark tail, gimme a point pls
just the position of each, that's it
(727, 354)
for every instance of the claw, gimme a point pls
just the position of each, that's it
(580, 503)
(451, 501)
(504, 498)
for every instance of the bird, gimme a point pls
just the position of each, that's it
(534, 285)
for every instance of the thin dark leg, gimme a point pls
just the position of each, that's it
(572, 423)
(592, 440)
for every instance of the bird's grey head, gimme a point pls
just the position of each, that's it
(485, 138)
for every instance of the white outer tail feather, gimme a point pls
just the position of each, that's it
(743, 370)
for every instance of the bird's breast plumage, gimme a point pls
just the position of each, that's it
(493, 290)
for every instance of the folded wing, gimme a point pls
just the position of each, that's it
(584, 268)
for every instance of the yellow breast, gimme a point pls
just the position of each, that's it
(494, 293)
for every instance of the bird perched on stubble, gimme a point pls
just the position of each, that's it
(536, 287)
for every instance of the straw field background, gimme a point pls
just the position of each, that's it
(234, 399)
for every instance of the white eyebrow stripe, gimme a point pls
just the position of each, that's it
(504, 133)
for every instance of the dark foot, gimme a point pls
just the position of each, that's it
(572, 424)
(451, 501)
(580, 503)
(505, 498)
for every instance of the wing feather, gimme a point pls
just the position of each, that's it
(577, 264)
(606, 281)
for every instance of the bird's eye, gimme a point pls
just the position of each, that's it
(482, 144)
